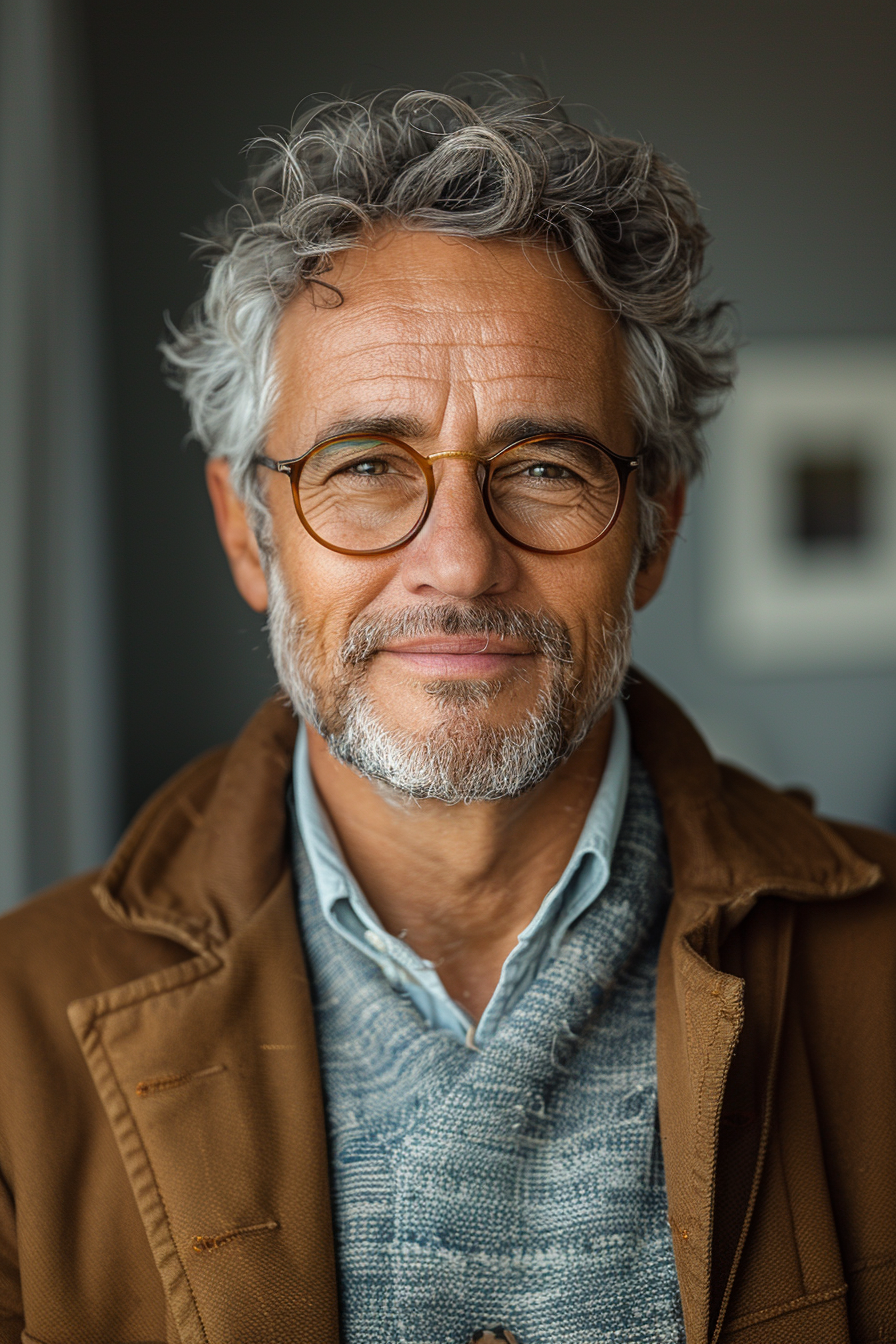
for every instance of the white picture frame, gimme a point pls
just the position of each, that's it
(802, 509)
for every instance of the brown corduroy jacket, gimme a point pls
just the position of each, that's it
(163, 1156)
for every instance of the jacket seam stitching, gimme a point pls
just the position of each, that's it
(151, 1169)
(766, 1134)
(736, 1020)
(781, 1309)
(200, 973)
(704, 1122)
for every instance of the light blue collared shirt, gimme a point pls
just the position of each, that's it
(347, 910)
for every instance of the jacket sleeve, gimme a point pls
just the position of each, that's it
(12, 1322)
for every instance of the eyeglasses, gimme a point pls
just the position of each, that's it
(368, 494)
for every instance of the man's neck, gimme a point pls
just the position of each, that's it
(460, 882)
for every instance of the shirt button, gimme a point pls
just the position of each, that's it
(376, 941)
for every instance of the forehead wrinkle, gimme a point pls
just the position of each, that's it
(553, 282)
(453, 366)
(399, 373)
(474, 331)
(400, 336)
(404, 370)
(469, 376)
(422, 317)
(392, 353)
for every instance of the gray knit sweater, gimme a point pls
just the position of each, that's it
(520, 1185)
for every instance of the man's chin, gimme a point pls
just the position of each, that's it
(463, 694)
(454, 744)
(458, 705)
(506, 700)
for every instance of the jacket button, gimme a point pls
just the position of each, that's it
(493, 1336)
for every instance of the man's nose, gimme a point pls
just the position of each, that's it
(458, 552)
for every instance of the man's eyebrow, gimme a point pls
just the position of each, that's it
(396, 426)
(410, 427)
(523, 427)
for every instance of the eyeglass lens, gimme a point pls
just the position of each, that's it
(367, 494)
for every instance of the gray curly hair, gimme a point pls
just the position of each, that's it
(500, 161)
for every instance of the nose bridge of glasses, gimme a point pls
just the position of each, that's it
(481, 466)
(454, 453)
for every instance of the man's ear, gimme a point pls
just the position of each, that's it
(236, 535)
(650, 576)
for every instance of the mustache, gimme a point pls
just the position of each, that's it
(545, 634)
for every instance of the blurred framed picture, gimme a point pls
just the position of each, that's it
(802, 509)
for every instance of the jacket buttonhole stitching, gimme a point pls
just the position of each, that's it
(200, 1243)
(153, 1085)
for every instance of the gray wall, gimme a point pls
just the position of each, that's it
(58, 805)
(783, 114)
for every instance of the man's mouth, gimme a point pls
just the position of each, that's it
(440, 641)
(448, 656)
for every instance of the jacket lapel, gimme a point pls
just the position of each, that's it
(701, 1023)
(732, 842)
(699, 1020)
(208, 1072)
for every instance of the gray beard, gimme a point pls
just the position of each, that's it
(461, 757)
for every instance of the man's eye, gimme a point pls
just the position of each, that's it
(371, 466)
(548, 471)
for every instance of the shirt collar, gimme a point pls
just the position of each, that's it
(595, 844)
(597, 839)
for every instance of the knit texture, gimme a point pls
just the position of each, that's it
(519, 1185)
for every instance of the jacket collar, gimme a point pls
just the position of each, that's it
(206, 850)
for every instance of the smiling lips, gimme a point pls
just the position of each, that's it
(458, 655)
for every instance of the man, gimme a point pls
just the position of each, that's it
(465, 996)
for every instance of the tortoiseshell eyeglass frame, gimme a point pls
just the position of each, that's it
(294, 466)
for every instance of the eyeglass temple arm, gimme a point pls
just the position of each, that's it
(271, 463)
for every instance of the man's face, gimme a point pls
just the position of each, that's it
(459, 639)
